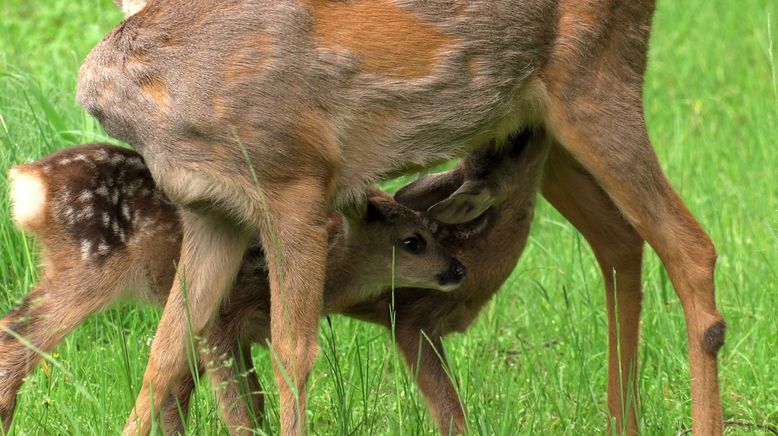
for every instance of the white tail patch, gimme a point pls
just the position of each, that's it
(29, 195)
(131, 7)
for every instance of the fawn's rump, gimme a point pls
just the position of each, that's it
(28, 194)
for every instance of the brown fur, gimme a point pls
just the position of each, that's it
(157, 90)
(573, 68)
(113, 184)
(368, 29)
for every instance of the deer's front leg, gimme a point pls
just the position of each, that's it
(211, 253)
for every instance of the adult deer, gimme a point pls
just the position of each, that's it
(256, 115)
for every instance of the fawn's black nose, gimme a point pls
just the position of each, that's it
(453, 275)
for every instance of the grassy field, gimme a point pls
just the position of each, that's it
(535, 361)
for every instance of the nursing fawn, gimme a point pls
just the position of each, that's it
(481, 210)
(107, 233)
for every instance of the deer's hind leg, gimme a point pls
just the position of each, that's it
(619, 252)
(295, 247)
(211, 252)
(595, 112)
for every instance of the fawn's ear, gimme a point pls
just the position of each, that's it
(428, 190)
(377, 206)
(374, 211)
(467, 203)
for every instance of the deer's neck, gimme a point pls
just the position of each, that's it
(491, 254)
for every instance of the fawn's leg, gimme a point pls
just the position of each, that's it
(595, 112)
(233, 378)
(175, 410)
(211, 254)
(45, 316)
(296, 249)
(619, 252)
(250, 388)
(423, 351)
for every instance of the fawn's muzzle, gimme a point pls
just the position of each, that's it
(451, 278)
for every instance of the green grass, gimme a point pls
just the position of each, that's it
(535, 361)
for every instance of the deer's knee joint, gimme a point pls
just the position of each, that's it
(713, 338)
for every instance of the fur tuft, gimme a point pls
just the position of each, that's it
(29, 195)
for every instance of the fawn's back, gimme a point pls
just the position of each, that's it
(99, 218)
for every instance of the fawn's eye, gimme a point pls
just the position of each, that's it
(415, 244)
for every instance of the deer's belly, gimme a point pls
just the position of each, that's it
(389, 141)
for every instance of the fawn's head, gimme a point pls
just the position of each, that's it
(391, 244)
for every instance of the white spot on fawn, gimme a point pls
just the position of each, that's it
(29, 197)
(70, 214)
(136, 163)
(83, 158)
(101, 155)
(116, 159)
(86, 248)
(86, 212)
(102, 248)
(126, 212)
(85, 196)
(106, 220)
(102, 191)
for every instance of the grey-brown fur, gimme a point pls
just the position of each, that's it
(327, 96)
